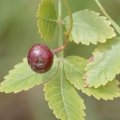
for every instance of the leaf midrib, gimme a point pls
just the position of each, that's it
(62, 94)
(18, 80)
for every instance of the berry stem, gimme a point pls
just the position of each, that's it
(61, 48)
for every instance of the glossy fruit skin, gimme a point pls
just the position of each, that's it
(40, 58)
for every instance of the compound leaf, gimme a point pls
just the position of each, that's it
(105, 64)
(46, 19)
(63, 99)
(90, 27)
(23, 78)
(74, 70)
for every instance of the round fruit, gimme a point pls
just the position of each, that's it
(40, 58)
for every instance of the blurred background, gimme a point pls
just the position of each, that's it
(18, 32)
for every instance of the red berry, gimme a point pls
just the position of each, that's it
(40, 58)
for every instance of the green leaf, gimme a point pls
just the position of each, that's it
(105, 64)
(23, 78)
(63, 99)
(90, 27)
(74, 70)
(46, 19)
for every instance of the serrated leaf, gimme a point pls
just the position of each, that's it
(74, 70)
(90, 27)
(23, 78)
(63, 99)
(46, 19)
(105, 64)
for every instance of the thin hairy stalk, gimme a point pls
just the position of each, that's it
(116, 26)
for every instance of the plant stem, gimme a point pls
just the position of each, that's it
(60, 42)
(61, 48)
(59, 9)
(70, 15)
(60, 25)
(116, 26)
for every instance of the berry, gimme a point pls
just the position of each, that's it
(40, 58)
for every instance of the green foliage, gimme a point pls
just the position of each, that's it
(46, 19)
(95, 77)
(23, 78)
(74, 70)
(105, 64)
(90, 27)
(63, 99)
